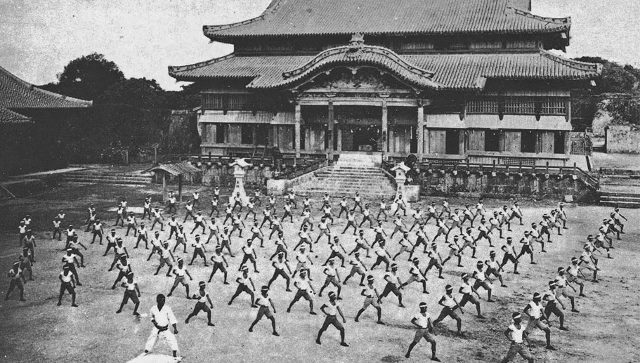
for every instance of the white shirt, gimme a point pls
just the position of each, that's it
(422, 320)
(517, 334)
(66, 278)
(163, 317)
(535, 310)
(331, 309)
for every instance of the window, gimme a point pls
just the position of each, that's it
(211, 101)
(262, 134)
(239, 102)
(452, 142)
(518, 105)
(528, 141)
(558, 142)
(246, 134)
(492, 140)
(221, 133)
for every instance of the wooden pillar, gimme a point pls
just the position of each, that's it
(180, 188)
(385, 129)
(420, 148)
(339, 136)
(297, 116)
(330, 129)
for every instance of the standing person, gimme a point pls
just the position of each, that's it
(196, 199)
(443, 230)
(305, 239)
(173, 227)
(203, 297)
(119, 251)
(416, 276)
(516, 213)
(357, 267)
(180, 273)
(302, 258)
(493, 268)
(449, 306)
(305, 290)
(225, 240)
(243, 281)
(275, 226)
(337, 251)
(161, 317)
(214, 207)
(431, 213)
(517, 335)
(166, 258)
(124, 269)
(526, 247)
(370, 298)
(214, 230)
(132, 224)
(266, 217)
(67, 283)
(551, 306)
(198, 222)
(131, 291)
(435, 260)
(70, 261)
(381, 256)
(263, 302)
(324, 230)
(422, 322)
(29, 242)
(331, 310)
(111, 241)
(56, 229)
(156, 245)
(357, 202)
(228, 211)
(572, 275)
(398, 226)
(454, 251)
(393, 285)
(16, 280)
(405, 246)
(361, 244)
(250, 209)
(481, 280)
(380, 233)
(351, 222)
(119, 216)
(333, 278)
(74, 245)
(172, 203)
(188, 212)
(326, 213)
(219, 263)
(366, 216)
(287, 212)
(561, 291)
(146, 207)
(249, 255)
(198, 250)
(307, 221)
(509, 255)
(467, 292)
(535, 311)
(157, 218)
(382, 209)
(280, 266)
(181, 239)
(143, 235)
(400, 204)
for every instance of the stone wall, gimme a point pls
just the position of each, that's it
(222, 175)
(503, 186)
(622, 139)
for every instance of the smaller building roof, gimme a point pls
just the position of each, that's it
(336, 17)
(176, 169)
(10, 117)
(17, 94)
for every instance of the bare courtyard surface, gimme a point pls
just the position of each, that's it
(606, 329)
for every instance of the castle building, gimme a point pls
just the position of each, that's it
(477, 80)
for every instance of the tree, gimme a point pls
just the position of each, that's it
(89, 76)
(137, 92)
(615, 78)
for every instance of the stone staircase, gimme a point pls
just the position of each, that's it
(106, 176)
(352, 173)
(620, 188)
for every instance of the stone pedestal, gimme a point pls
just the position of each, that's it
(239, 171)
(410, 193)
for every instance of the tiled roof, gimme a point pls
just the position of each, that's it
(180, 168)
(8, 116)
(450, 71)
(18, 94)
(316, 17)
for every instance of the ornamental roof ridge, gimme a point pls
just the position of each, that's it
(583, 66)
(272, 8)
(357, 49)
(528, 14)
(173, 70)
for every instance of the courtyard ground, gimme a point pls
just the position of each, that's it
(606, 329)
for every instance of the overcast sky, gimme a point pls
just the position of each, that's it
(39, 37)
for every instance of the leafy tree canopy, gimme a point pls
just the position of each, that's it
(89, 76)
(615, 77)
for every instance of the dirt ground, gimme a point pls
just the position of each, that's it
(605, 330)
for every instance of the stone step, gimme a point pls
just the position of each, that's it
(620, 194)
(107, 179)
(629, 205)
(620, 198)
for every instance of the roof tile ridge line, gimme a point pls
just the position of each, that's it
(583, 66)
(189, 67)
(548, 19)
(31, 86)
(340, 49)
(15, 114)
(273, 6)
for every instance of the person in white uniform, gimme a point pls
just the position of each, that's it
(161, 317)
